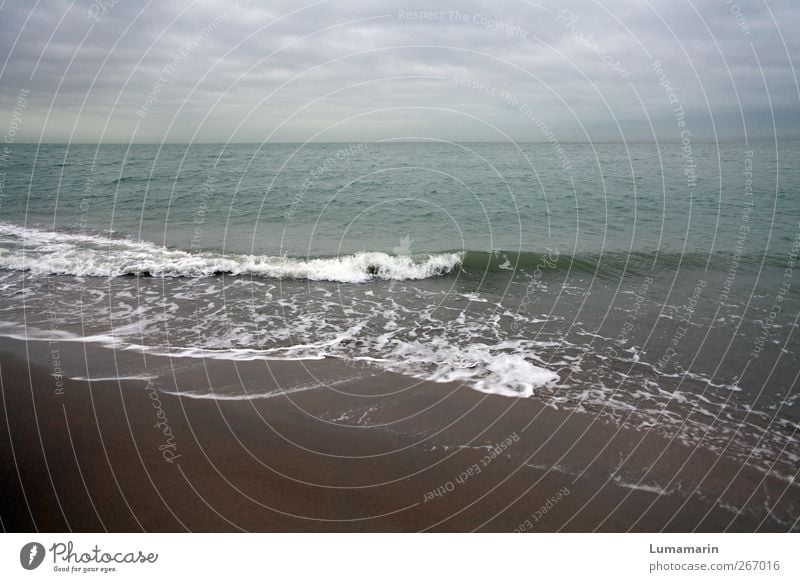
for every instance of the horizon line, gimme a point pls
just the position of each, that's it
(391, 141)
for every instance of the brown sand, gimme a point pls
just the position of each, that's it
(358, 450)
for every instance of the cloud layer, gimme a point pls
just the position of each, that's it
(120, 71)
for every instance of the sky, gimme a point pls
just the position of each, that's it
(121, 71)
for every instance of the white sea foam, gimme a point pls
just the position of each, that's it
(478, 365)
(656, 489)
(26, 333)
(142, 377)
(54, 253)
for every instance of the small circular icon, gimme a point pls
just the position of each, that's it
(31, 555)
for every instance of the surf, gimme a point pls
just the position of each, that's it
(43, 252)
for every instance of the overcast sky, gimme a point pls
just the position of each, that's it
(346, 70)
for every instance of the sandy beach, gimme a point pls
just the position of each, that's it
(333, 447)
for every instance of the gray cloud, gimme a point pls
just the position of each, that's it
(346, 70)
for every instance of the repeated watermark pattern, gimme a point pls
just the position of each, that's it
(569, 20)
(326, 166)
(185, 51)
(9, 138)
(739, 17)
(780, 296)
(579, 88)
(206, 194)
(744, 228)
(546, 508)
(473, 470)
(99, 8)
(685, 316)
(169, 447)
(679, 113)
(490, 24)
(527, 111)
(534, 283)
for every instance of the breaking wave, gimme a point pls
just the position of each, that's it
(44, 252)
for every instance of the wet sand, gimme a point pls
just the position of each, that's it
(327, 446)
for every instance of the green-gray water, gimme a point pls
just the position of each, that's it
(648, 284)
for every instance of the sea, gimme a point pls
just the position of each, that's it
(653, 285)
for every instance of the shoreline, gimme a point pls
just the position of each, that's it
(321, 446)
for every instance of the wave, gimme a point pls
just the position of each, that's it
(607, 264)
(44, 252)
(503, 370)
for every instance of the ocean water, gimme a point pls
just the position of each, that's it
(652, 285)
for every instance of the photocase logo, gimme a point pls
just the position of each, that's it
(404, 248)
(31, 555)
(401, 250)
